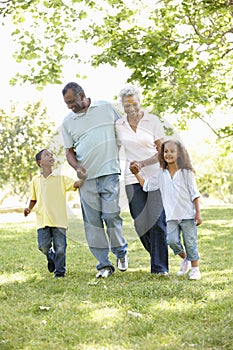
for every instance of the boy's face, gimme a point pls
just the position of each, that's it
(46, 159)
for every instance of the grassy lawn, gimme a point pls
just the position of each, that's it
(129, 311)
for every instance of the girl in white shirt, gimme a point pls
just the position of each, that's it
(180, 198)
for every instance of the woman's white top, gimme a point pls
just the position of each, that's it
(139, 145)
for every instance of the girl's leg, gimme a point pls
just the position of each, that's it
(183, 255)
(189, 231)
(173, 237)
(175, 243)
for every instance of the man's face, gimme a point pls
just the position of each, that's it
(74, 102)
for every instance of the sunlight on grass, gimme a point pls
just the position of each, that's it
(13, 277)
(97, 347)
(135, 310)
(105, 316)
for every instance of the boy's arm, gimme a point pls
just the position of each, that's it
(78, 183)
(30, 207)
(197, 218)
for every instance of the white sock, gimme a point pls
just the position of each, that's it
(195, 268)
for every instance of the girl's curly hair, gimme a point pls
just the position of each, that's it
(183, 159)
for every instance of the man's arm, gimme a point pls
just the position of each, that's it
(71, 159)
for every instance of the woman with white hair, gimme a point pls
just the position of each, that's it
(141, 134)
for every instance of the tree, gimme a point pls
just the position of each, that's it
(179, 51)
(23, 134)
(181, 55)
(214, 170)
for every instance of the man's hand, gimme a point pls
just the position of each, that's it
(81, 172)
(198, 219)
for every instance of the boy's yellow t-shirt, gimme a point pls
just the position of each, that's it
(50, 194)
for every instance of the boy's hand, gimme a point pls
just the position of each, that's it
(27, 211)
(81, 172)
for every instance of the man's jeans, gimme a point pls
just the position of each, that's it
(52, 243)
(100, 206)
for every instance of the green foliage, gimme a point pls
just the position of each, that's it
(215, 170)
(23, 134)
(133, 310)
(179, 52)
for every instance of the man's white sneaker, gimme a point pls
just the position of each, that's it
(104, 273)
(122, 263)
(194, 275)
(185, 266)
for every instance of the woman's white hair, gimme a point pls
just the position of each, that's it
(129, 91)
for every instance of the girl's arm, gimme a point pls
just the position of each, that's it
(197, 218)
(30, 207)
(140, 179)
(135, 171)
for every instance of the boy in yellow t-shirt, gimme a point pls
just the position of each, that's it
(48, 196)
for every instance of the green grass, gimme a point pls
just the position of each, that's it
(129, 311)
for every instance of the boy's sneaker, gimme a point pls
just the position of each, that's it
(122, 263)
(51, 266)
(194, 274)
(104, 273)
(185, 266)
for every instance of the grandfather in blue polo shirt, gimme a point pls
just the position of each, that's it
(90, 144)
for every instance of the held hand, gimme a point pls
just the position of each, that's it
(81, 172)
(135, 167)
(26, 211)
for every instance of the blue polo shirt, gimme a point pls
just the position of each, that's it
(92, 135)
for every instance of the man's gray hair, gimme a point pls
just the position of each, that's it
(130, 91)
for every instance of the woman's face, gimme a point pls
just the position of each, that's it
(131, 105)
